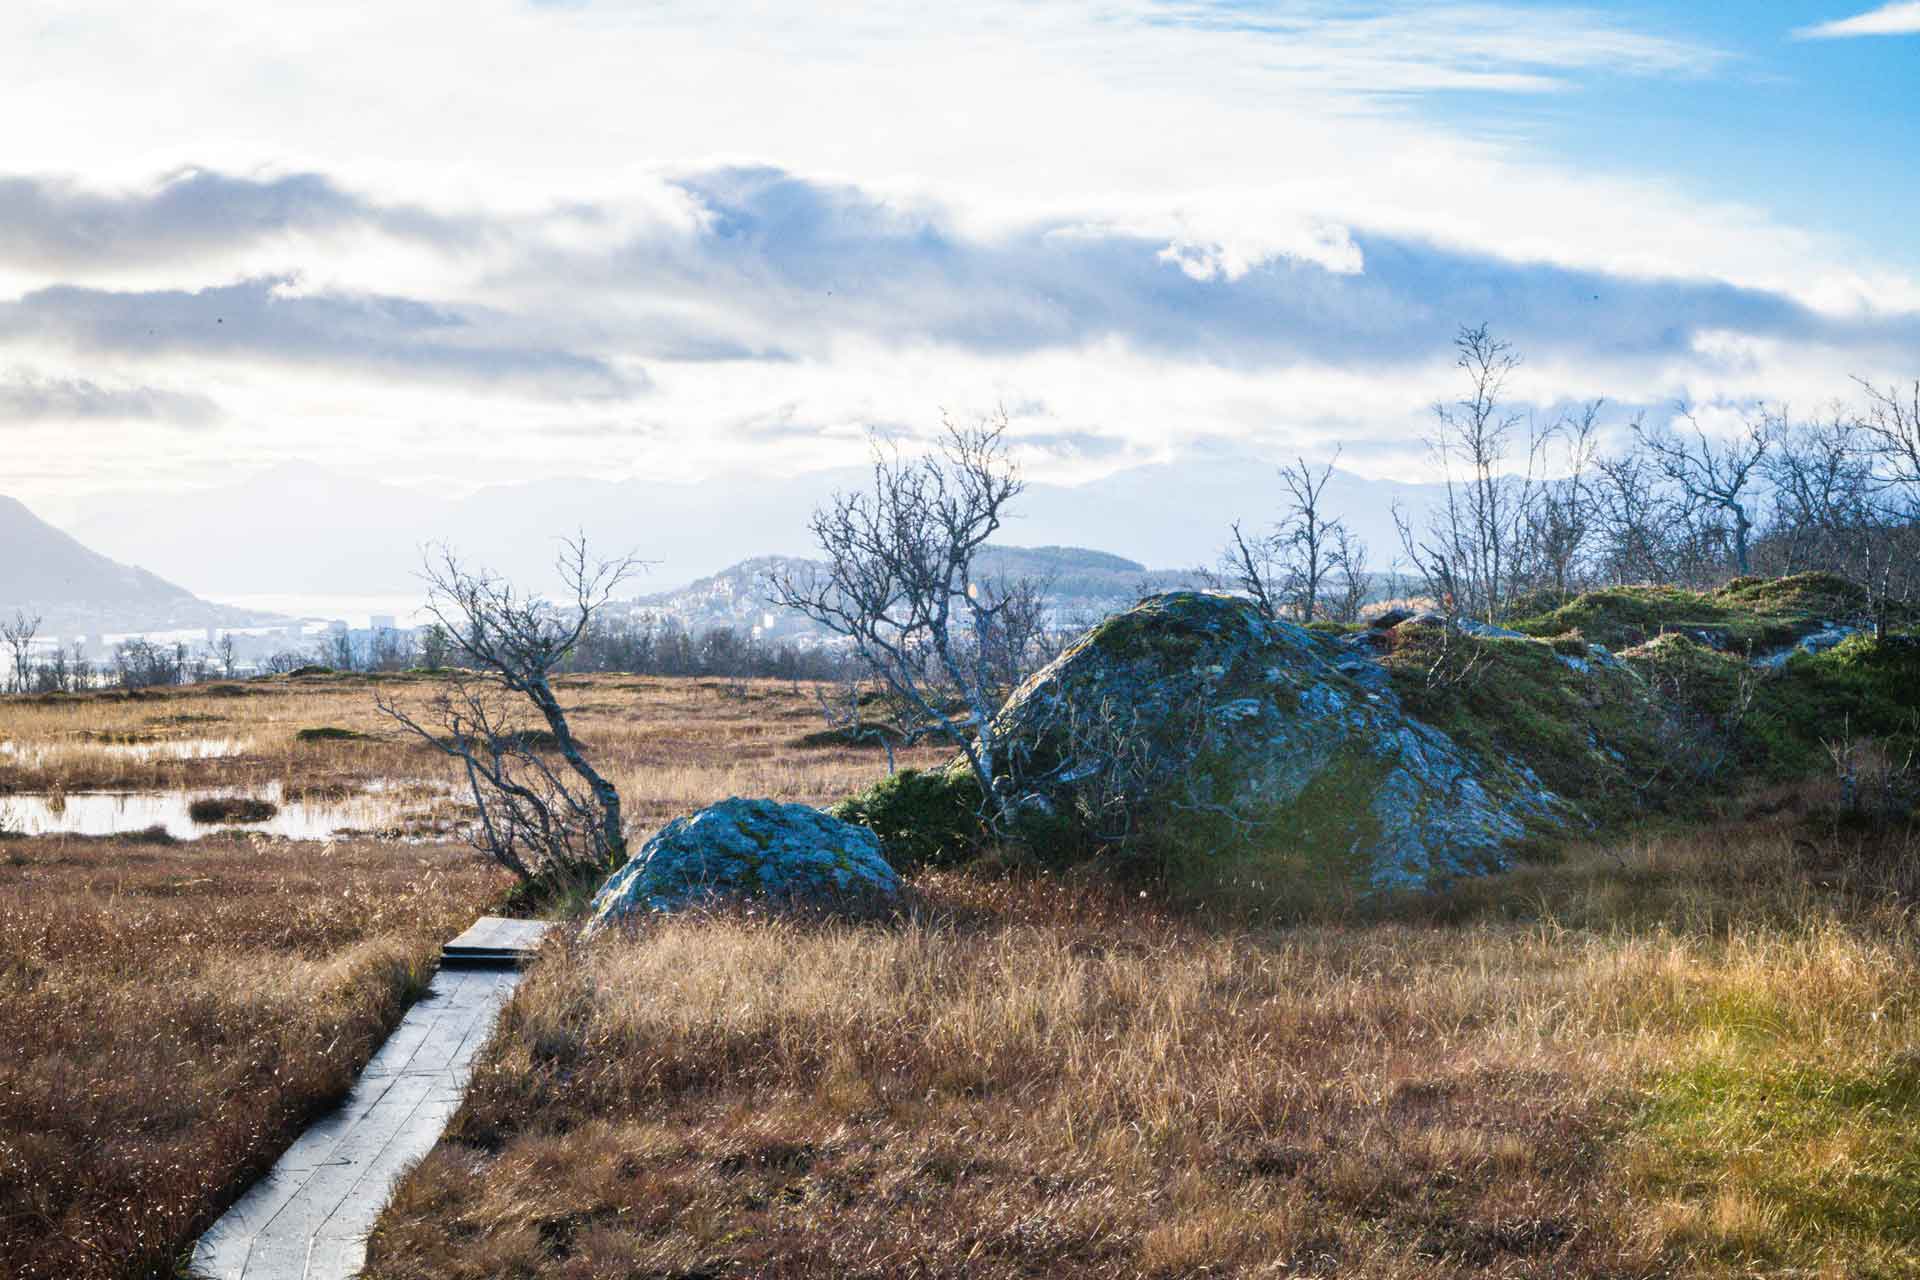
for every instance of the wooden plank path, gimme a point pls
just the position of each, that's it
(495, 940)
(308, 1218)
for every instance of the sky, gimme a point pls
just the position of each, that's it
(454, 243)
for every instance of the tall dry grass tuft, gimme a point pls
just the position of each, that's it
(173, 1016)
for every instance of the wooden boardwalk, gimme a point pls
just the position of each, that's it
(308, 1218)
(495, 940)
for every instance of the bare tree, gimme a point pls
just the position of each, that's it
(1352, 584)
(1307, 533)
(339, 652)
(1892, 425)
(1471, 551)
(139, 663)
(389, 650)
(1631, 520)
(1248, 565)
(1717, 475)
(1560, 521)
(1015, 639)
(1288, 569)
(436, 647)
(899, 584)
(18, 635)
(533, 817)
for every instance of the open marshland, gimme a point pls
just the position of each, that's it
(1688, 1054)
(178, 998)
(1691, 1051)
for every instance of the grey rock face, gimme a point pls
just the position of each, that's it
(1829, 636)
(786, 853)
(1298, 737)
(1488, 631)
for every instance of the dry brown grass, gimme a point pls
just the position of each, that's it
(1029, 1077)
(172, 1014)
(1684, 1054)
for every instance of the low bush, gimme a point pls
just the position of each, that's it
(860, 735)
(210, 809)
(923, 817)
(330, 733)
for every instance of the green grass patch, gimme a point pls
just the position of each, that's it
(1779, 1162)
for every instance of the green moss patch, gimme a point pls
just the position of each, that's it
(1746, 614)
(1860, 688)
(1591, 736)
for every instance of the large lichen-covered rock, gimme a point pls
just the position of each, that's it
(1291, 741)
(790, 854)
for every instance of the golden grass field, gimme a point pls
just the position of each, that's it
(1688, 1052)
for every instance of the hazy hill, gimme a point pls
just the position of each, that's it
(312, 530)
(80, 592)
(1082, 585)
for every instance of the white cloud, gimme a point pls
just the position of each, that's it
(1898, 19)
(657, 238)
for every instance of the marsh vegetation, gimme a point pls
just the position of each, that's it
(1687, 1047)
(175, 1010)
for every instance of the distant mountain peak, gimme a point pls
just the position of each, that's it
(1078, 582)
(77, 591)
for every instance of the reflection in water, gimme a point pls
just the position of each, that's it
(103, 813)
(37, 755)
(178, 749)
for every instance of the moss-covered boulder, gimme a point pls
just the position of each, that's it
(1267, 741)
(784, 854)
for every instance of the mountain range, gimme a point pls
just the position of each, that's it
(48, 574)
(304, 528)
(1081, 587)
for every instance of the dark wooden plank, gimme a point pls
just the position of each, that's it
(498, 938)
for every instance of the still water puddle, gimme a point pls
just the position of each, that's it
(37, 755)
(178, 749)
(104, 813)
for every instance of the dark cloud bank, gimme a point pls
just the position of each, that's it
(783, 265)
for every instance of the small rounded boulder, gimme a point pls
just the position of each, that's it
(790, 854)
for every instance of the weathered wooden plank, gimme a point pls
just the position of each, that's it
(498, 938)
(308, 1218)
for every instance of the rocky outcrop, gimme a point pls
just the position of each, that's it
(1195, 707)
(1831, 635)
(787, 854)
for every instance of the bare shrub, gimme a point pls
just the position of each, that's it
(534, 819)
(899, 584)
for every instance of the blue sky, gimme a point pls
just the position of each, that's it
(1821, 131)
(452, 241)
